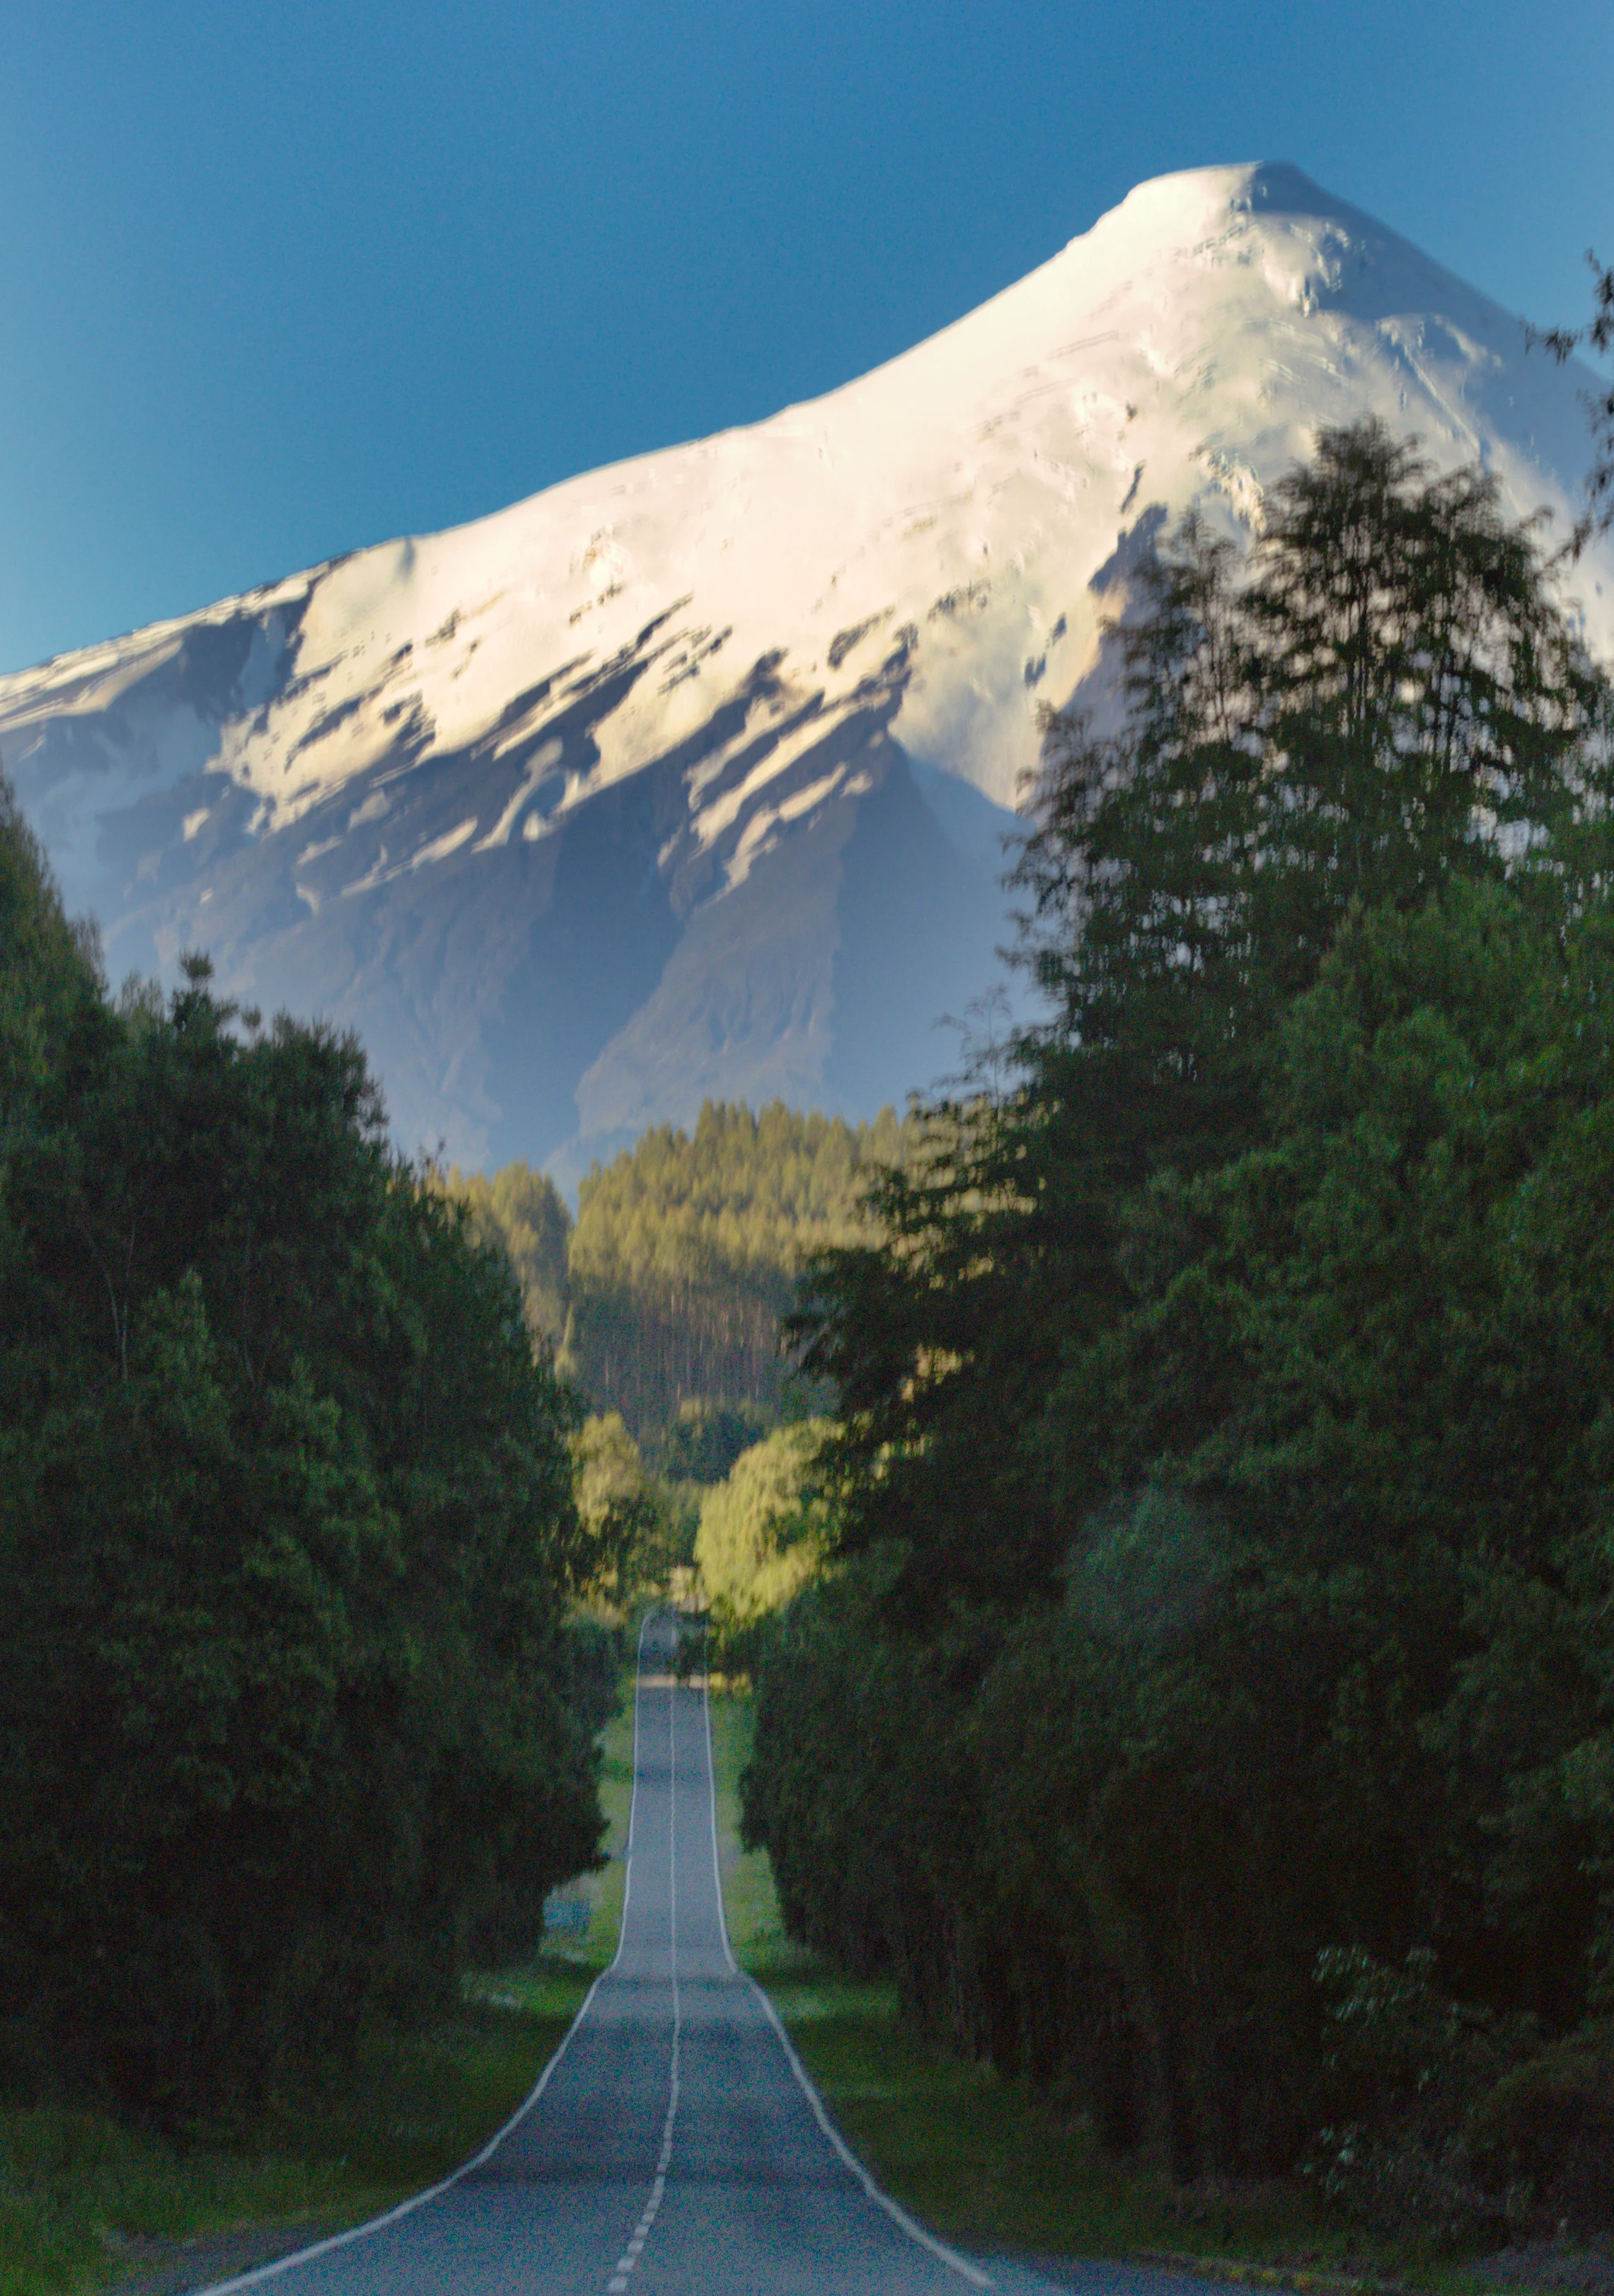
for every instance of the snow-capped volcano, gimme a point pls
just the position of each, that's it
(682, 777)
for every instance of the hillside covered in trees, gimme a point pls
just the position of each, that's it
(292, 1719)
(687, 1247)
(1209, 1711)
(668, 1293)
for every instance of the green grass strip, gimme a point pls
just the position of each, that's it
(88, 2202)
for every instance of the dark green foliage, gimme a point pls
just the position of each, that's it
(1225, 1408)
(1385, 699)
(523, 1213)
(640, 1528)
(686, 1247)
(663, 1302)
(702, 1443)
(291, 1721)
(1542, 2139)
(597, 1654)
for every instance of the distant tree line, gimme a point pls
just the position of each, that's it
(687, 1246)
(523, 1214)
(1210, 1710)
(662, 1306)
(665, 1298)
(292, 1722)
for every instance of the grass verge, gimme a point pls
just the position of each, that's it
(990, 2163)
(85, 2201)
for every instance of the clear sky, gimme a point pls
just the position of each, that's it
(278, 280)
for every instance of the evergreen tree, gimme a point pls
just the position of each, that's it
(1384, 697)
(524, 1215)
(1210, 1713)
(1597, 336)
(686, 1247)
(291, 1719)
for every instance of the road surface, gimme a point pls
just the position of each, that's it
(674, 2144)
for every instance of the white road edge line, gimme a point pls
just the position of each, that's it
(433, 2191)
(898, 2215)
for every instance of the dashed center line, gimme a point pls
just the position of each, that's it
(618, 2283)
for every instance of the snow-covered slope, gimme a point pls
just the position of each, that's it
(682, 776)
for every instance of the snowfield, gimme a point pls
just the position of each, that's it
(776, 650)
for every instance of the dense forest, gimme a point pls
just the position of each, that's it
(687, 1246)
(292, 1719)
(669, 1292)
(1209, 1711)
(523, 1214)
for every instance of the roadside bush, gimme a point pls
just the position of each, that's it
(1542, 2141)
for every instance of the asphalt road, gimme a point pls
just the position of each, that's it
(674, 2144)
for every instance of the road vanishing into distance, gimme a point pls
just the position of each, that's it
(674, 2144)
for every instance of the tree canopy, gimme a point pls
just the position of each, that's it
(292, 1717)
(1212, 1708)
(523, 1213)
(764, 1528)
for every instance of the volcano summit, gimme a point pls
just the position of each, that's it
(685, 778)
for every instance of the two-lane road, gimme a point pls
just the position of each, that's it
(674, 2146)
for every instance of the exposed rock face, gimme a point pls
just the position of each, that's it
(686, 778)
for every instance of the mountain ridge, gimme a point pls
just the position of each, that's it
(681, 778)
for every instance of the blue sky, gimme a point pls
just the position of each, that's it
(279, 281)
